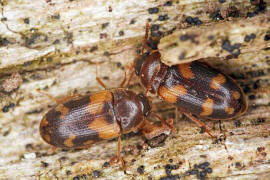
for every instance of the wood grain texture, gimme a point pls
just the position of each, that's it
(55, 45)
(216, 41)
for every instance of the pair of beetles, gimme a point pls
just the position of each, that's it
(195, 88)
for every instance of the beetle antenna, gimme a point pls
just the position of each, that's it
(131, 74)
(98, 79)
(145, 36)
(125, 77)
(47, 94)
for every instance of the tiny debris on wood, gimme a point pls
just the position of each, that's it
(12, 83)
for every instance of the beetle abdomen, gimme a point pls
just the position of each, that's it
(80, 122)
(201, 90)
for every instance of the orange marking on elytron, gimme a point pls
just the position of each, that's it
(236, 95)
(68, 142)
(97, 101)
(62, 109)
(185, 70)
(229, 110)
(44, 122)
(217, 81)
(47, 138)
(101, 97)
(104, 129)
(172, 93)
(207, 107)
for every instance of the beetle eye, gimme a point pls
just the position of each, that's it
(138, 63)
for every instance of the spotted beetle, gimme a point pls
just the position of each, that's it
(195, 88)
(80, 121)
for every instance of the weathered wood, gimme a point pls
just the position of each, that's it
(55, 45)
(216, 41)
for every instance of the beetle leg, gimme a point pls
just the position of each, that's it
(201, 124)
(130, 77)
(164, 122)
(153, 130)
(52, 150)
(98, 79)
(103, 84)
(60, 100)
(131, 71)
(125, 77)
(118, 157)
(176, 113)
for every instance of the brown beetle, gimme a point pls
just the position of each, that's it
(196, 88)
(80, 121)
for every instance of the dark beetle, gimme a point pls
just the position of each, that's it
(80, 122)
(196, 88)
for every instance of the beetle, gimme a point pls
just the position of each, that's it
(195, 88)
(80, 121)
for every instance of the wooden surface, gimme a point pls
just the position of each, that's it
(55, 45)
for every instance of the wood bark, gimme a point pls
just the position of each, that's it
(54, 46)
